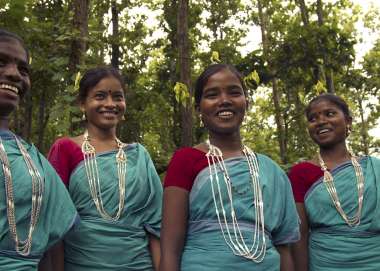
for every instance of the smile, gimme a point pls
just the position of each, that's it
(225, 114)
(9, 87)
(323, 131)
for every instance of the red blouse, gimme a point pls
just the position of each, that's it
(65, 155)
(302, 176)
(184, 166)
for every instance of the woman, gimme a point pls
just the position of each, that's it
(337, 196)
(225, 207)
(35, 208)
(114, 186)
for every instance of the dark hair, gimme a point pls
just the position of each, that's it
(332, 98)
(93, 76)
(210, 71)
(9, 36)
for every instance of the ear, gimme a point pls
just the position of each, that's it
(197, 109)
(81, 107)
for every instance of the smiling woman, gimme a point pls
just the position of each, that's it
(114, 185)
(225, 207)
(35, 208)
(337, 195)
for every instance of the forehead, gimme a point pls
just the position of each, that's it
(108, 83)
(323, 104)
(222, 77)
(13, 49)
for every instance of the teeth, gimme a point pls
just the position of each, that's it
(225, 113)
(9, 87)
(323, 131)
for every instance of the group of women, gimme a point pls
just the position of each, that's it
(96, 203)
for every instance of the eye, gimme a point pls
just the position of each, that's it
(210, 94)
(236, 92)
(311, 118)
(99, 96)
(118, 97)
(330, 113)
(2, 62)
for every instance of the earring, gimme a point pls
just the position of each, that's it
(84, 117)
(201, 124)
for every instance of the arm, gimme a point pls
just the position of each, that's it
(299, 250)
(286, 261)
(154, 247)
(53, 259)
(174, 227)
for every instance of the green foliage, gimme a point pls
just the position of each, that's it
(299, 57)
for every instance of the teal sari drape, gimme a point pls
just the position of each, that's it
(333, 245)
(205, 248)
(57, 212)
(98, 244)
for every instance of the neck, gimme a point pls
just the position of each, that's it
(4, 123)
(98, 134)
(335, 154)
(229, 144)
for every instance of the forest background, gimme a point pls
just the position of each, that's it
(300, 49)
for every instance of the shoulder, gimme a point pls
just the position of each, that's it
(301, 168)
(265, 162)
(64, 143)
(188, 154)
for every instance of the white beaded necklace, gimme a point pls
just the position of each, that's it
(328, 180)
(92, 173)
(23, 247)
(235, 239)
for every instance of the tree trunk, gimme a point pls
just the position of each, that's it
(115, 35)
(80, 25)
(304, 12)
(328, 74)
(184, 65)
(265, 35)
(79, 42)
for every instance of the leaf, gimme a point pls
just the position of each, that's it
(320, 88)
(77, 80)
(181, 93)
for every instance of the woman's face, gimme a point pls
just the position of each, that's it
(327, 124)
(14, 75)
(223, 103)
(104, 105)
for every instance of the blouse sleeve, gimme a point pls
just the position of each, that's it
(180, 170)
(59, 159)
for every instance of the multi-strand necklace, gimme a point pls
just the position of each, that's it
(23, 247)
(234, 237)
(330, 186)
(92, 173)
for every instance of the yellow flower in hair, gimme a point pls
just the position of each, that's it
(215, 57)
(319, 87)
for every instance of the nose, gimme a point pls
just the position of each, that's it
(109, 102)
(320, 120)
(12, 73)
(225, 98)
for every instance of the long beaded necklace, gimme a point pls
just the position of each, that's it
(92, 173)
(235, 239)
(328, 180)
(23, 247)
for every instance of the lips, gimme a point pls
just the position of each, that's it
(9, 88)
